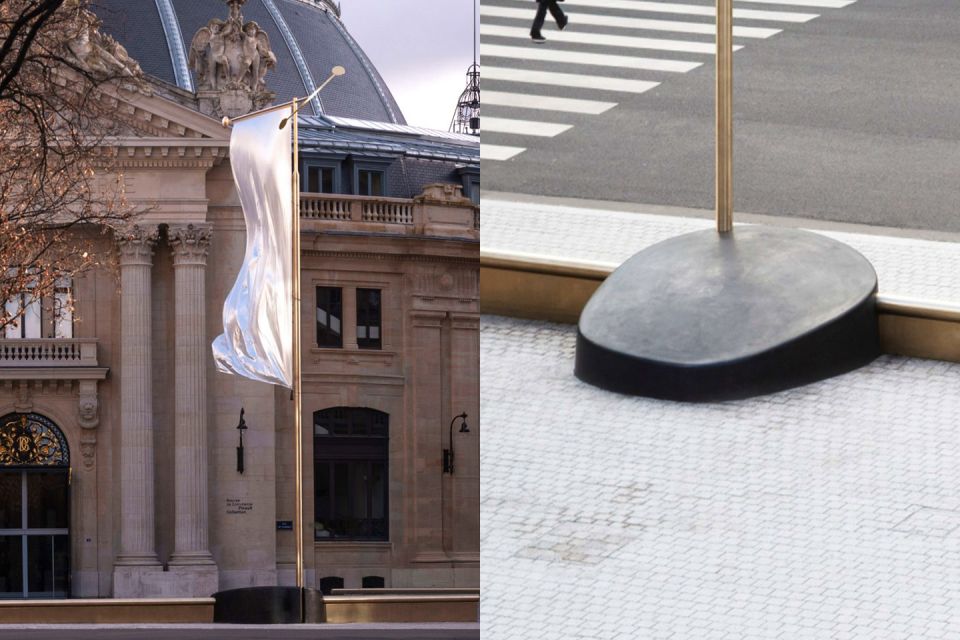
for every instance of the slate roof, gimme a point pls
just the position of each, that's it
(364, 137)
(319, 34)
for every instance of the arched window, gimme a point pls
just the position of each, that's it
(34, 508)
(350, 450)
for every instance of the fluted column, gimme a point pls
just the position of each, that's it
(137, 535)
(191, 540)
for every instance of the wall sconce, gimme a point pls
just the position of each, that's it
(448, 453)
(242, 427)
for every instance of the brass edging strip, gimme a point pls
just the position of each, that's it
(542, 288)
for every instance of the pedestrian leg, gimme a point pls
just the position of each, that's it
(557, 14)
(538, 22)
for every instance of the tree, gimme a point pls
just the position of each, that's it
(58, 187)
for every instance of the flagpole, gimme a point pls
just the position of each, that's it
(297, 408)
(724, 114)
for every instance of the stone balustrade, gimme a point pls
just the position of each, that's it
(452, 217)
(50, 352)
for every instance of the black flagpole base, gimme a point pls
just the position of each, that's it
(268, 605)
(709, 317)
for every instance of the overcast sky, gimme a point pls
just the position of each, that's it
(422, 48)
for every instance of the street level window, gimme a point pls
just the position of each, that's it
(370, 182)
(330, 317)
(350, 474)
(368, 319)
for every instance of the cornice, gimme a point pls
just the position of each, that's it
(383, 257)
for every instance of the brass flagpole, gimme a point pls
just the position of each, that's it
(295, 105)
(297, 408)
(724, 112)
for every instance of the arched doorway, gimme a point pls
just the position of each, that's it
(34, 508)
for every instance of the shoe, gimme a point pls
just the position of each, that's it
(563, 23)
(536, 37)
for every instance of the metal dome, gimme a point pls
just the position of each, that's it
(307, 36)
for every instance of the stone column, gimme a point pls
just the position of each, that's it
(138, 551)
(192, 350)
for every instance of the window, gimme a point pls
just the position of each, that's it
(41, 318)
(368, 319)
(370, 182)
(350, 474)
(329, 583)
(26, 309)
(321, 178)
(372, 582)
(63, 309)
(329, 317)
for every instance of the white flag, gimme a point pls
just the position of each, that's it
(257, 339)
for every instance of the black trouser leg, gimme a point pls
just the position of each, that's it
(539, 18)
(555, 11)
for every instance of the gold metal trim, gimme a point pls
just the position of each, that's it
(107, 611)
(405, 608)
(538, 288)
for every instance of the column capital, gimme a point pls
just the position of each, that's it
(135, 244)
(190, 243)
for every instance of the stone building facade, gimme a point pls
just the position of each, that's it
(118, 438)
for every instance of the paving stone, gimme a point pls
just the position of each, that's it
(827, 511)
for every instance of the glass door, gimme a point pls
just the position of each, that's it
(34, 533)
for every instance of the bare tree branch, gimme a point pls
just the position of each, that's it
(58, 183)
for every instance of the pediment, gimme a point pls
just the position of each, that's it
(157, 111)
(159, 116)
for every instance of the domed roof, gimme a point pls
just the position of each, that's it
(307, 37)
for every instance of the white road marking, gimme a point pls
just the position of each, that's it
(546, 103)
(693, 10)
(498, 152)
(535, 52)
(523, 127)
(604, 39)
(567, 80)
(633, 23)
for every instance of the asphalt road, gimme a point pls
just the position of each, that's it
(452, 631)
(851, 116)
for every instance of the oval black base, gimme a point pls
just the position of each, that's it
(268, 605)
(705, 317)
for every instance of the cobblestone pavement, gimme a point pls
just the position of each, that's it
(907, 267)
(827, 511)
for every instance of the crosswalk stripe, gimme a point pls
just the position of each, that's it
(532, 52)
(498, 152)
(693, 10)
(632, 23)
(820, 4)
(524, 127)
(576, 80)
(604, 39)
(546, 103)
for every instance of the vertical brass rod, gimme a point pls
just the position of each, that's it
(297, 409)
(724, 116)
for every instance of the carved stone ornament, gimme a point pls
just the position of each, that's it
(136, 244)
(230, 59)
(101, 55)
(190, 243)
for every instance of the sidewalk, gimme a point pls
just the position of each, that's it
(827, 511)
(907, 267)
